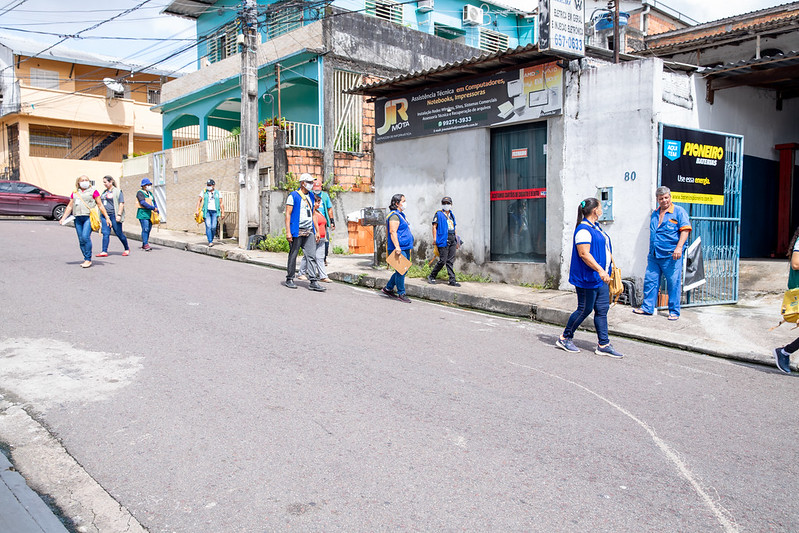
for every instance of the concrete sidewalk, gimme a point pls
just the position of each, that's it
(739, 332)
(21, 509)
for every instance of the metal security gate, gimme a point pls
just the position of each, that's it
(159, 183)
(719, 227)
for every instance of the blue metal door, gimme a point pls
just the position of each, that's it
(719, 226)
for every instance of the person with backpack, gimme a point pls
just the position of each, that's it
(782, 355)
(213, 209)
(447, 241)
(592, 253)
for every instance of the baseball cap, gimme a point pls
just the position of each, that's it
(210, 182)
(307, 178)
(446, 200)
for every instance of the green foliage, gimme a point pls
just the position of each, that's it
(339, 250)
(290, 183)
(424, 270)
(332, 188)
(349, 140)
(274, 243)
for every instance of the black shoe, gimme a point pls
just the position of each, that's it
(388, 293)
(290, 284)
(314, 286)
(454, 283)
(431, 280)
(403, 298)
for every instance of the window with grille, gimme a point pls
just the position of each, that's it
(385, 9)
(223, 44)
(50, 139)
(153, 96)
(347, 112)
(492, 41)
(44, 79)
(283, 18)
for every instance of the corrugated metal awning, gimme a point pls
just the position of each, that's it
(779, 73)
(188, 8)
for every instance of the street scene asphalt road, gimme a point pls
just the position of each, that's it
(204, 396)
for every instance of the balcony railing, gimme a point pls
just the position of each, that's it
(218, 149)
(186, 155)
(302, 135)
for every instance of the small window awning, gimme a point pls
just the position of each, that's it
(779, 73)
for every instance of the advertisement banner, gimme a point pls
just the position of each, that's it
(692, 165)
(561, 26)
(503, 98)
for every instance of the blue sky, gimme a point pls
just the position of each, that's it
(54, 17)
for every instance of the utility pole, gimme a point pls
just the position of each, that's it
(248, 168)
(616, 43)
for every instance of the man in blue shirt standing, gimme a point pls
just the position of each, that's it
(669, 227)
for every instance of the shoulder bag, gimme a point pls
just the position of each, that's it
(94, 216)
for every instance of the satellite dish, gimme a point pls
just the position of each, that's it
(114, 85)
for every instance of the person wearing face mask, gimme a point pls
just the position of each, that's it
(302, 231)
(81, 202)
(147, 205)
(446, 241)
(400, 241)
(212, 208)
(592, 255)
(114, 203)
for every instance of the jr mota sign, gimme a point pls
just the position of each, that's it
(692, 165)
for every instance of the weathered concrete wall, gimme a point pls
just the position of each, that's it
(609, 133)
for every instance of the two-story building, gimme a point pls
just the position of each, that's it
(64, 113)
(307, 56)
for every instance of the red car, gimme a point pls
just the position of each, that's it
(20, 198)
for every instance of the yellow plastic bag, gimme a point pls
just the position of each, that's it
(790, 306)
(198, 217)
(155, 218)
(615, 286)
(94, 219)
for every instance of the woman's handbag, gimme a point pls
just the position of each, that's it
(94, 216)
(615, 286)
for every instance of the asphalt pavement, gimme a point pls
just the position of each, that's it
(738, 332)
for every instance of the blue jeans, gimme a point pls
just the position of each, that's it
(596, 300)
(117, 226)
(672, 271)
(398, 280)
(211, 219)
(146, 226)
(84, 228)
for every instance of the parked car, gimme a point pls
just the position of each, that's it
(20, 198)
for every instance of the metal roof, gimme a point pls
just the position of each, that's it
(190, 9)
(27, 47)
(451, 71)
(779, 73)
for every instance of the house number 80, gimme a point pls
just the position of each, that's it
(629, 176)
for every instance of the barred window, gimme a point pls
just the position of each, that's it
(283, 18)
(492, 41)
(49, 139)
(223, 44)
(385, 9)
(153, 96)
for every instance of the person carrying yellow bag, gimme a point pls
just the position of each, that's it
(82, 210)
(147, 206)
(783, 355)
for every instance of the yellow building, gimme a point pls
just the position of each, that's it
(64, 113)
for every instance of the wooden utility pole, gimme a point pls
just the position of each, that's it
(248, 168)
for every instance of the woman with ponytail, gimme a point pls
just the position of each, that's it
(589, 273)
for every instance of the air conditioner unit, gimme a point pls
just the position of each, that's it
(424, 6)
(472, 15)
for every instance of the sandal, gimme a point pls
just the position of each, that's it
(674, 317)
(639, 311)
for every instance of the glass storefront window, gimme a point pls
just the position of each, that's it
(518, 193)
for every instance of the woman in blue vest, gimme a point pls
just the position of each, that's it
(212, 208)
(590, 264)
(400, 241)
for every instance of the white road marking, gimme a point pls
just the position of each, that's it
(720, 513)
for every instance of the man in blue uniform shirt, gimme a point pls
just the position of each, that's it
(669, 227)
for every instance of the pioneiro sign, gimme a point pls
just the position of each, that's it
(505, 97)
(692, 165)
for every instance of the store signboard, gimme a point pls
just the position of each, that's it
(561, 26)
(502, 98)
(692, 165)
